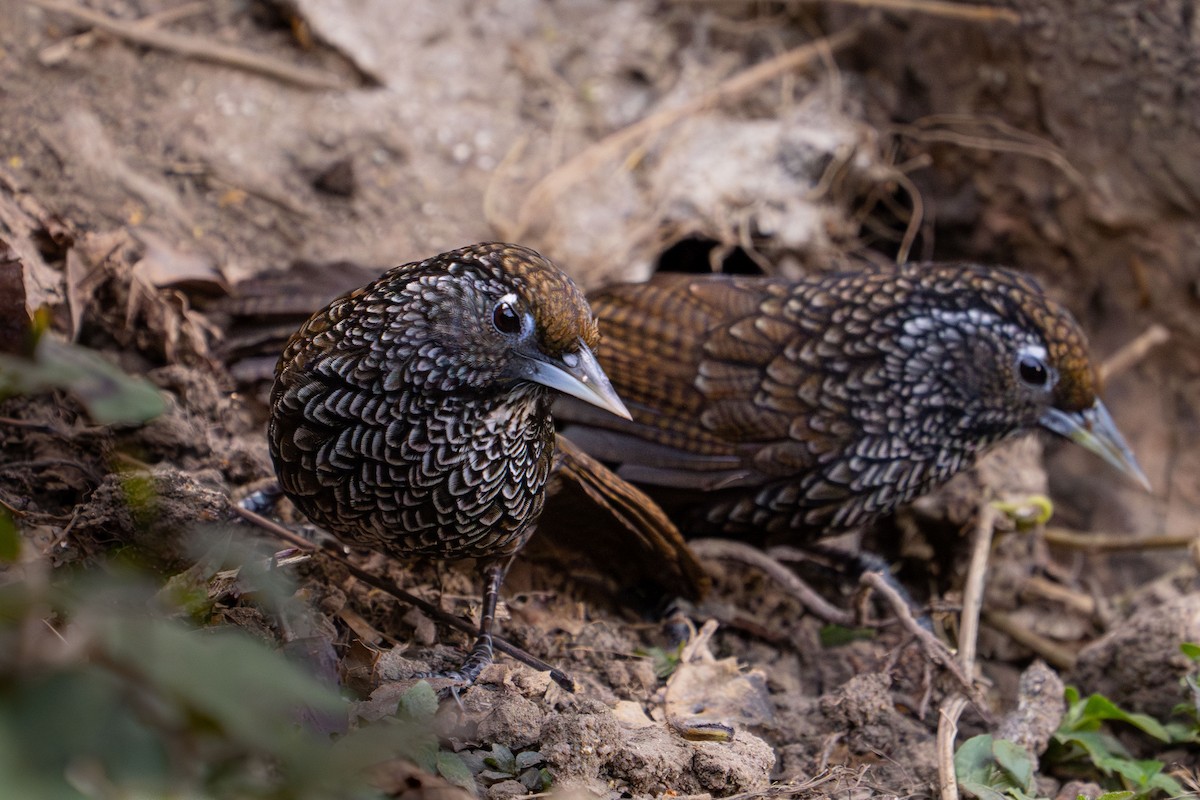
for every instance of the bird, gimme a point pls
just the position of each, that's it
(412, 416)
(766, 408)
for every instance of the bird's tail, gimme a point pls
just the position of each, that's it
(664, 556)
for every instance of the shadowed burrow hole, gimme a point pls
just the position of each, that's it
(695, 255)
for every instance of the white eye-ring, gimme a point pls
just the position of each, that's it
(505, 316)
(1032, 368)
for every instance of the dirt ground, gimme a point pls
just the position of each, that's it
(159, 158)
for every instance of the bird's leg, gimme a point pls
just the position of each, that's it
(481, 652)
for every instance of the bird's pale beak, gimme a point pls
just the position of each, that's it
(577, 374)
(1094, 429)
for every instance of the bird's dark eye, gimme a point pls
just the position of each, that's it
(505, 318)
(1032, 370)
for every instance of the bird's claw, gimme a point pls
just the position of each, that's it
(454, 679)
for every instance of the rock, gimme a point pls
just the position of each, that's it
(1040, 709)
(655, 760)
(513, 721)
(1138, 664)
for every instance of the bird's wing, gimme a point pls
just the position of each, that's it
(702, 363)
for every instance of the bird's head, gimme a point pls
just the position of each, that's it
(1026, 360)
(500, 314)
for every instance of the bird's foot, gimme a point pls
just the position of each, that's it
(480, 656)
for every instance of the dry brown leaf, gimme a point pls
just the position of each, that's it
(21, 219)
(90, 264)
(704, 690)
(14, 319)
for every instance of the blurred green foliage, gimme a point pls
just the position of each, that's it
(417, 708)
(109, 395)
(102, 695)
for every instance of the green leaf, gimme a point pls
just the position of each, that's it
(531, 779)
(1145, 774)
(454, 769)
(419, 703)
(249, 692)
(1191, 650)
(502, 759)
(665, 661)
(982, 790)
(10, 538)
(1184, 732)
(1016, 761)
(387, 739)
(839, 635)
(973, 761)
(1122, 795)
(530, 758)
(1166, 783)
(102, 729)
(109, 394)
(993, 769)
(1099, 707)
(1096, 744)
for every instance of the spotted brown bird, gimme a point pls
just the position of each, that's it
(767, 406)
(412, 416)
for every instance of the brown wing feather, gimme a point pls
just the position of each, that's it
(691, 357)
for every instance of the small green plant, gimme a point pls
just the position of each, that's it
(110, 395)
(994, 769)
(1082, 739)
(665, 661)
(10, 538)
(104, 694)
(833, 635)
(416, 711)
(1190, 708)
(528, 767)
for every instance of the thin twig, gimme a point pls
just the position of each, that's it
(40, 427)
(1116, 542)
(196, 47)
(1043, 588)
(952, 707)
(504, 646)
(729, 550)
(915, 219)
(929, 130)
(1054, 654)
(981, 547)
(1133, 352)
(936, 8)
(935, 650)
(947, 730)
(786, 789)
(611, 147)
